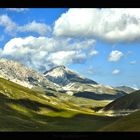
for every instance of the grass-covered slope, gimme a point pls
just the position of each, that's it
(127, 102)
(80, 101)
(23, 109)
(127, 123)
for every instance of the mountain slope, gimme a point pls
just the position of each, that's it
(74, 84)
(22, 75)
(63, 76)
(58, 79)
(126, 89)
(128, 123)
(23, 109)
(130, 101)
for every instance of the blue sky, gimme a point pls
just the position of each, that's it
(101, 44)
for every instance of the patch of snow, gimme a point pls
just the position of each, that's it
(69, 93)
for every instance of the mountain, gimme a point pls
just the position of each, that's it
(130, 101)
(59, 79)
(18, 73)
(91, 91)
(64, 76)
(24, 109)
(127, 123)
(77, 85)
(24, 106)
(125, 104)
(126, 89)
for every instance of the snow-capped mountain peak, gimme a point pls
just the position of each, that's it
(59, 79)
(63, 76)
(59, 71)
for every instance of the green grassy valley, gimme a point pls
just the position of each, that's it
(23, 109)
(69, 70)
(127, 123)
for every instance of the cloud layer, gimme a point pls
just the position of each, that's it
(114, 25)
(42, 53)
(7, 23)
(115, 56)
(65, 45)
(12, 28)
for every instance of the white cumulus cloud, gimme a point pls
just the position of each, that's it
(7, 23)
(115, 56)
(42, 53)
(113, 24)
(66, 57)
(116, 71)
(12, 27)
(34, 26)
(93, 52)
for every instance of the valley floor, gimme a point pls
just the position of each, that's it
(23, 109)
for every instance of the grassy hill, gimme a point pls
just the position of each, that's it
(127, 123)
(130, 101)
(23, 109)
